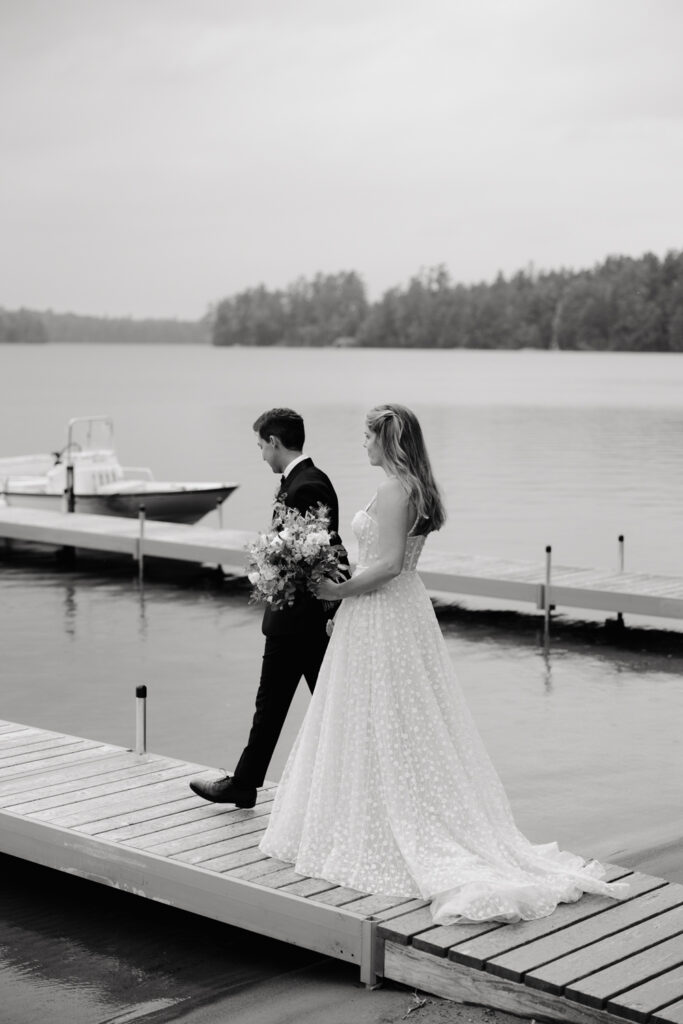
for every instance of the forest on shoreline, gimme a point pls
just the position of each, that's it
(35, 327)
(621, 304)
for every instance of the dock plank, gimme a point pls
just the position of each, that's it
(672, 1013)
(43, 752)
(440, 939)
(98, 808)
(144, 815)
(89, 750)
(208, 824)
(594, 973)
(82, 771)
(308, 887)
(212, 855)
(225, 865)
(400, 909)
(128, 824)
(9, 741)
(401, 927)
(479, 950)
(607, 985)
(521, 963)
(144, 833)
(221, 833)
(376, 905)
(256, 869)
(289, 879)
(641, 1002)
(341, 896)
(33, 741)
(123, 781)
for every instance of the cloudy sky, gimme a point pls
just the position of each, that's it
(158, 155)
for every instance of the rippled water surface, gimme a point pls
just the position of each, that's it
(531, 448)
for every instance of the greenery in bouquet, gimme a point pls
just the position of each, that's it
(294, 557)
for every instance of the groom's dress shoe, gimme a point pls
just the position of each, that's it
(224, 791)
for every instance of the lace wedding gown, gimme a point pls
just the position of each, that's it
(389, 789)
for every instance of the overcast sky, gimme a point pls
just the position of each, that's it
(158, 155)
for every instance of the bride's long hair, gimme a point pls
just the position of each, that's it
(400, 436)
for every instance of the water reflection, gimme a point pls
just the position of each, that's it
(70, 610)
(73, 952)
(547, 661)
(142, 606)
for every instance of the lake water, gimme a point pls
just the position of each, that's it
(530, 448)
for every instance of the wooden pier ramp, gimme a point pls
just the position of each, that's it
(600, 590)
(128, 820)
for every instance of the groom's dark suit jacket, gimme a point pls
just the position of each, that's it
(303, 489)
(296, 638)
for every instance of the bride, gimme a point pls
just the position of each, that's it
(388, 788)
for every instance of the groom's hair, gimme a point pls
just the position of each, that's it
(284, 424)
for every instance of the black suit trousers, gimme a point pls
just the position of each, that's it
(286, 659)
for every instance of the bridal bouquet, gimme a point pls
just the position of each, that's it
(294, 557)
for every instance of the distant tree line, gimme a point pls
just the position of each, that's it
(318, 312)
(69, 327)
(21, 327)
(31, 326)
(621, 304)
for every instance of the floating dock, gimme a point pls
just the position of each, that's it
(128, 820)
(540, 584)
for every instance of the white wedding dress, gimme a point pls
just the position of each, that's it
(389, 789)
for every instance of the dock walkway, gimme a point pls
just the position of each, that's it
(128, 820)
(599, 590)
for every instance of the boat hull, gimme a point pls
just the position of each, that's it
(171, 506)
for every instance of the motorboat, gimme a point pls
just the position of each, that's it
(88, 477)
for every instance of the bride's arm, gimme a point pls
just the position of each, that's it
(392, 511)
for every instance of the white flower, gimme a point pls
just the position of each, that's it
(315, 542)
(253, 578)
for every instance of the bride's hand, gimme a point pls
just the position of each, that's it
(328, 591)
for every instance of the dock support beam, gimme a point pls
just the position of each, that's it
(140, 719)
(369, 956)
(547, 607)
(140, 544)
(68, 554)
(620, 617)
(69, 493)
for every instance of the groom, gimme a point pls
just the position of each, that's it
(296, 637)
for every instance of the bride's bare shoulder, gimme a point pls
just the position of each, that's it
(392, 492)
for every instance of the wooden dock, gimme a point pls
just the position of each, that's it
(119, 535)
(598, 590)
(129, 821)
